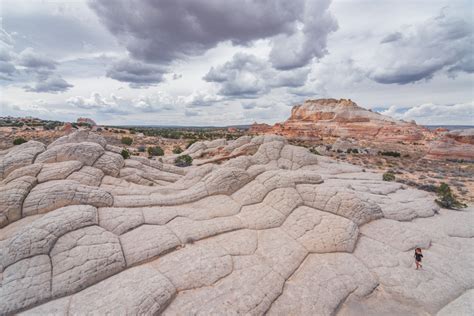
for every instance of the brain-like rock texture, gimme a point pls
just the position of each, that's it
(257, 226)
(20, 156)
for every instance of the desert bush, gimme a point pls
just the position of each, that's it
(125, 153)
(314, 151)
(177, 150)
(183, 161)
(190, 143)
(388, 176)
(127, 140)
(19, 141)
(155, 151)
(389, 153)
(446, 198)
(141, 149)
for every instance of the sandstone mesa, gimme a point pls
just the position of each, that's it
(331, 118)
(260, 227)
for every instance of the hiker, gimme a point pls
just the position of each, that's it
(418, 256)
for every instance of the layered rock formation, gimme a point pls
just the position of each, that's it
(455, 145)
(273, 229)
(315, 119)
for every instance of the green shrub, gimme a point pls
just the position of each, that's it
(177, 150)
(19, 141)
(141, 149)
(446, 198)
(125, 153)
(388, 176)
(127, 140)
(389, 153)
(155, 151)
(314, 151)
(190, 143)
(183, 161)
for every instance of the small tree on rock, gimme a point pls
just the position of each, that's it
(155, 151)
(388, 176)
(125, 153)
(19, 141)
(447, 199)
(127, 140)
(177, 150)
(183, 161)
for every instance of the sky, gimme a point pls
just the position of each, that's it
(213, 62)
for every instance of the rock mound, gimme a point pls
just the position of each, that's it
(85, 232)
(454, 145)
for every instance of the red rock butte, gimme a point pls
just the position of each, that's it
(315, 119)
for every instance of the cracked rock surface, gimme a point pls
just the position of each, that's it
(272, 229)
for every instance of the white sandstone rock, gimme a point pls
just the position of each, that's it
(20, 156)
(51, 195)
(147, 241)
(58, 170)
(83, 257)
(87, 153)
(12, 196)
(39, 236)
(25, 283)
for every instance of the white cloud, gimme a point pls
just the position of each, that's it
(364, 61)
(436, 114)
(419, 51)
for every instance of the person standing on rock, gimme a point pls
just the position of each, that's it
(418, 256)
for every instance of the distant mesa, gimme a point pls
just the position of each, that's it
(457, 144)
(315, 119)
(86, 120)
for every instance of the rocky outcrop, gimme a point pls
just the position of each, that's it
(455, 145)
(274, 230)
(316, 119)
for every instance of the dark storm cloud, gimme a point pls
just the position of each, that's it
(50, 84)
(162, 31)
(442, 43)
(391, 38)
(296, 50)
(248, 76)
(136, 73)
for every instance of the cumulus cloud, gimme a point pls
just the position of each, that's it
(163, 31)
(119, 105)
(393, 37)
(435, 114)
(249, 76)
(249, 105)
(50, 84)
(420, 51)
(297, 49)
(136, 73)
(28, 65)
(202, 98)
(7, 68)
(33, 60)
(96, 102)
